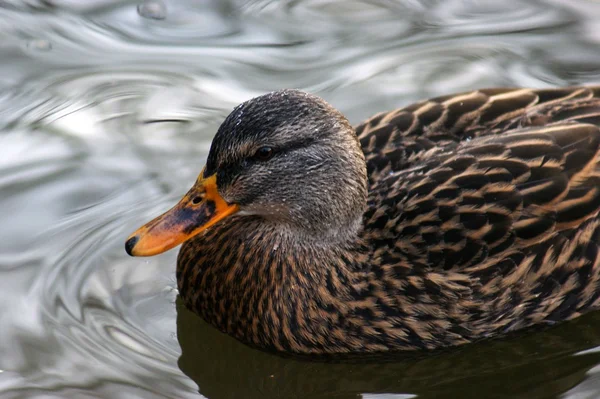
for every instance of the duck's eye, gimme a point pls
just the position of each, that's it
(264, 153)
(196, 200)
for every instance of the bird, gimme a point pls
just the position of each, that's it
(452, 220)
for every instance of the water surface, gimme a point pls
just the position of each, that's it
(107, 109)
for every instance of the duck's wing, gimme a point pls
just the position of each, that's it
(492, 199)
(396, 140)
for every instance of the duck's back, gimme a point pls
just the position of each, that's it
(398, 139)
(487, 203)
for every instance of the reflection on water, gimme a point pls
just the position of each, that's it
(530, 367)
(106, 113)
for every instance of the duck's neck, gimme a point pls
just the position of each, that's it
(270, 288)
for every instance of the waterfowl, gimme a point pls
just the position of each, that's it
(448, 221)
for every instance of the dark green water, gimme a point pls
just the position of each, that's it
(106, 115)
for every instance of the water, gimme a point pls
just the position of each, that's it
(107, 109)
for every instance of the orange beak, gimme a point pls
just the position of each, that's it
(199, 209)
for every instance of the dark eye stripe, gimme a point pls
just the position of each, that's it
(289, 146)
(264, 153)
(227, 171)
(294, 145)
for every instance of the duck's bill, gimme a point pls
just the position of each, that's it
(199, 209)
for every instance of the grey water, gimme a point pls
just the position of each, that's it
(107, 109)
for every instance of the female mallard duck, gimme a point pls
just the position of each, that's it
(451, 220)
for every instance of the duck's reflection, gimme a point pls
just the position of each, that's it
(533, 365)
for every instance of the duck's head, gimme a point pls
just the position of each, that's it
(287, 157)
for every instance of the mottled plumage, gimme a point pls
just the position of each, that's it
(470, 216)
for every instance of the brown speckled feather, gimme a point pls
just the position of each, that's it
(481, 218)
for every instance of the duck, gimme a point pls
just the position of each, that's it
(448, 221)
